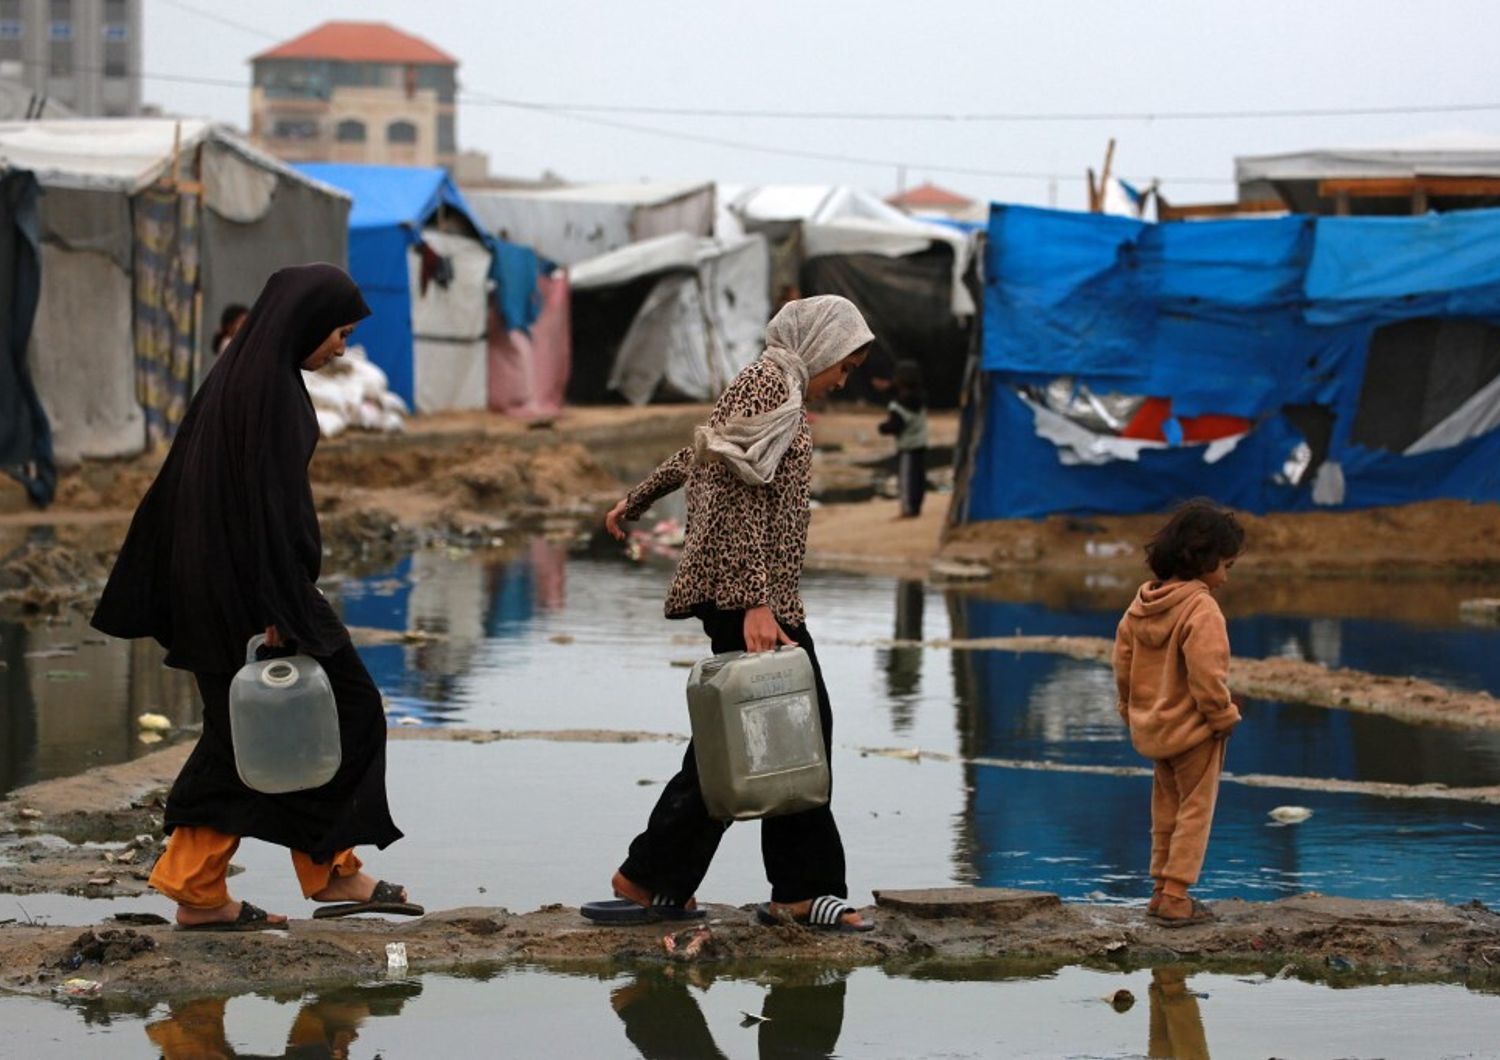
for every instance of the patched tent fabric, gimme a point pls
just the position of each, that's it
(1289, 324)
(528, 375)
(674, 317)
(207, 216)
(430, 344)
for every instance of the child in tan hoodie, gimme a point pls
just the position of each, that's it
(1171, 664)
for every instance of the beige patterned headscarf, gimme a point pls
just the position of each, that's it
(804, 338)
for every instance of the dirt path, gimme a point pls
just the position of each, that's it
(1317, 937)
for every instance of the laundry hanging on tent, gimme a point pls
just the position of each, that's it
(166, 288)
(516, 271)
(25, 435)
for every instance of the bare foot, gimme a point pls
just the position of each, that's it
(634, 892)
(799, 911)
(192, 916)
(356, 888)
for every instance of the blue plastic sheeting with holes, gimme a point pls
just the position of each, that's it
(1235, 317)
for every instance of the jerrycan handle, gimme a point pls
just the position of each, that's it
(254, 646)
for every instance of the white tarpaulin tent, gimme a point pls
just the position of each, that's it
(840, 219)
(571, 225)
(450, 348)
(248, 215)
(701, 322)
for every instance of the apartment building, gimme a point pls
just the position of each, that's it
(83, 54)
(356, 92)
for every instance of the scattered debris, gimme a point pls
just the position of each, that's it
(30, 814)
(1290, 814)
(752, 1020)
(110, 946)
(395, 957)
(689, 943)
(1121, 1000)
(78, 988)
(154, 723)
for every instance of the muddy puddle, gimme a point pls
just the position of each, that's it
(978, 1010)
(544, 640)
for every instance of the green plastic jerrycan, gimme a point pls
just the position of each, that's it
(757, 735)
(284, 723)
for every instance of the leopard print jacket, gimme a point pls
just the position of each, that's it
(744, 544)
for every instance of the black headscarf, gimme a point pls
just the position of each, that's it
(226, 541)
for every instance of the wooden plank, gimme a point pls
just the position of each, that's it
(1407, 187)
(1192, 211)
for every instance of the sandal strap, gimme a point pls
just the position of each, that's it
(387, 892)
(827, 911)
(667, 901)
(250, 914)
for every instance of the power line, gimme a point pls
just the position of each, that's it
(995, 117)
(214, 17)
(821, 156)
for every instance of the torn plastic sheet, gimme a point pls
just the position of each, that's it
(1480, 414)
(1108, 411)
(1077, 444)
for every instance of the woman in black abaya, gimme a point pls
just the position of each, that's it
(226, 545)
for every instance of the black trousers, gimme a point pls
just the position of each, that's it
(911, 476)
(803, 854)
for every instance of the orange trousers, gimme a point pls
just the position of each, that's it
(193, 869)
(1183, 793)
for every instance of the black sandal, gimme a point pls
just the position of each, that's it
(250, 918)
(385, 898)
(827, 914)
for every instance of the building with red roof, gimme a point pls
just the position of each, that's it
(930, 200)
(356, 92)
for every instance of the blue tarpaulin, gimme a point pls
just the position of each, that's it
(391, 206)
(1227, 318)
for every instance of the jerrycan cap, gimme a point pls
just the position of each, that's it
(278, 673)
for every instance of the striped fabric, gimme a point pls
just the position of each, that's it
(827, 911)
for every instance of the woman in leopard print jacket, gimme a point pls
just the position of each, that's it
(747, 477)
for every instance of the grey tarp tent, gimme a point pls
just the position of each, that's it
(149, 228)
(672, 317)
(574, 224)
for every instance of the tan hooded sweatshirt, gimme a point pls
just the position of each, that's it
(1172, 669)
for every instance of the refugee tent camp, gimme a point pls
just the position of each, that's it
(148, 228)
(1281, 363)
(672, 317)
(910, 277)
(423, 261)
(573, 224)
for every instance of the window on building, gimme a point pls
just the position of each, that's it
(295, 129)
(12, 29)
(351, 132)
(401, 132)
(60, 38)
(439, 78)
(447, 135)
(116, 59)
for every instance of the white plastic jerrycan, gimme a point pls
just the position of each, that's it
(757, 734)
(283, 722)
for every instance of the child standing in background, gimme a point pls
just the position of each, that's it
(1171, 662)
(908, 422)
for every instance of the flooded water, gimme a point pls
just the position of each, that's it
(542, 641)
(984, 1011)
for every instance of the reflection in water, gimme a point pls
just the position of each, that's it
(323, 1028)
(903, 665)
(802, 1014)
(69, 699)
(1176, 1025)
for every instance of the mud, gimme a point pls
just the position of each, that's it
(1338, 939)
(1434, 538)
(1408, 699)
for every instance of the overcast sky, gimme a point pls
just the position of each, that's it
(946, 56)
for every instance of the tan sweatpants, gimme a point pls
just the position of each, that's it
(1183, 794)
(193, 868)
